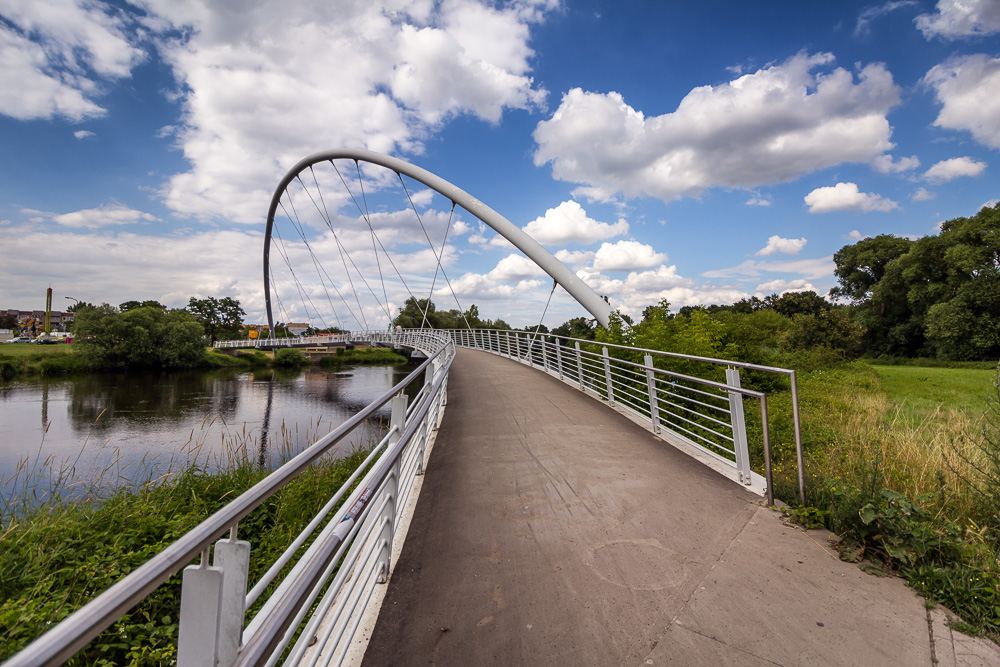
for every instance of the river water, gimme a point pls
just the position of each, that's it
(128, 428)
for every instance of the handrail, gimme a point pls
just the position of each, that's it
(79, 628)
(793, 378)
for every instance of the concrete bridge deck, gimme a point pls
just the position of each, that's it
(552, 530)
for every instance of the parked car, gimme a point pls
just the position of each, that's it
(19, 339)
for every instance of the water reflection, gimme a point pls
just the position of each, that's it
(136, 424)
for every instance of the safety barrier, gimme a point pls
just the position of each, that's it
(335, 563)
(693, 412)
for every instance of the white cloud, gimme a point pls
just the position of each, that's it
(923, 194)
(575, 258)
(83, 134)
(626, 256)
(568, 223)
(961, 18)
(956, 167)
(758, 200)
(515, 267)
(776, 244)
(262, 84)
(855, 235)
(770, 126)
(863, 27)
(884, 164)
(780, 286)
(968, 89)
(109, 214)
(57, 54)
(813, 269)
(846, 197)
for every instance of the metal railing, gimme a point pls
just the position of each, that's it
(697, 412)
(349, 549)
(290, 341)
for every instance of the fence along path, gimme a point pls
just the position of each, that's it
(553, 530)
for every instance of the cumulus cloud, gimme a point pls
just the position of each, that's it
(884, 164)
(758, 200)
(961, 18)
(776, 244)
(922, 194)
(626, 256)
(773, 125)
(813, 269)
(968, 89)
(262, 84)
(575, 258)
(57, 54)
(846, 197)
(956, 167)
(515, 267)
(568, 223)
(83, 134)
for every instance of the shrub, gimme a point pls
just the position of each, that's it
(288, 356)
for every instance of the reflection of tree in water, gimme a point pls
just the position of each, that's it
(166, 398)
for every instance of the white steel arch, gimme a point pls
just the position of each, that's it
(558, 271)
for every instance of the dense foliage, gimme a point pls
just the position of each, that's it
(143, 337)
(422, 313)
(936, 296)
(221, 318)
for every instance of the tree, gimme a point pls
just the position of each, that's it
(798, 303)
(938, 295)
(221, 318)
(140, 338)
(578, 327)
(78, 305)
(8, 321)
(131, 305)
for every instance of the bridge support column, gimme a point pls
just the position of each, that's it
(607, 377)
(739, 426)
(654, 406)
(579, 366)
(201, 611)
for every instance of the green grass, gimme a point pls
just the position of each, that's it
(922, 393)
(33, 351)
(50, 564)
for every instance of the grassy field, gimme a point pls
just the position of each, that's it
(922, 394)
(32, 351)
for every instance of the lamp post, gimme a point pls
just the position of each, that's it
(76, 302)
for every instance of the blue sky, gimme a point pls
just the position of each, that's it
(697, 152)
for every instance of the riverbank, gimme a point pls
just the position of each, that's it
(49, 568)
(21, 360)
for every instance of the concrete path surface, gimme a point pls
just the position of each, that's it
(552, 530)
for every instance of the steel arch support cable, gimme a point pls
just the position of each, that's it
(344, 251)
(332, 284)
(361, 184)
(437, 256)
(340, 249)
(300, 288)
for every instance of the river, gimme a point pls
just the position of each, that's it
(128, 428)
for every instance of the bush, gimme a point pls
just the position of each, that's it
(141, 338)
(288, 356)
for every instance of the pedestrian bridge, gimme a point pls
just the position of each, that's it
(563, 501)
(528, 508)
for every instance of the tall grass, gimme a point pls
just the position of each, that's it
(910, 488)
(62, 545)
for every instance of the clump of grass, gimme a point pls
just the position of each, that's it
(62, 546)
(375, 356)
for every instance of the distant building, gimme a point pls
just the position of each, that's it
(27, 318)
(296, 328)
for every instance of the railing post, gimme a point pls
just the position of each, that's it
(654, 405)
(607, 377)
(517, 341)
(390, 493)
(232, 556)
(201, 611)
(739, 426)
(559, 358)
(579, 366)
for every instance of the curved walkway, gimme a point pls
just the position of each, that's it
(552, 530)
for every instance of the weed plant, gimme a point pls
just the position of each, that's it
(62, 545)
(910, 490)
